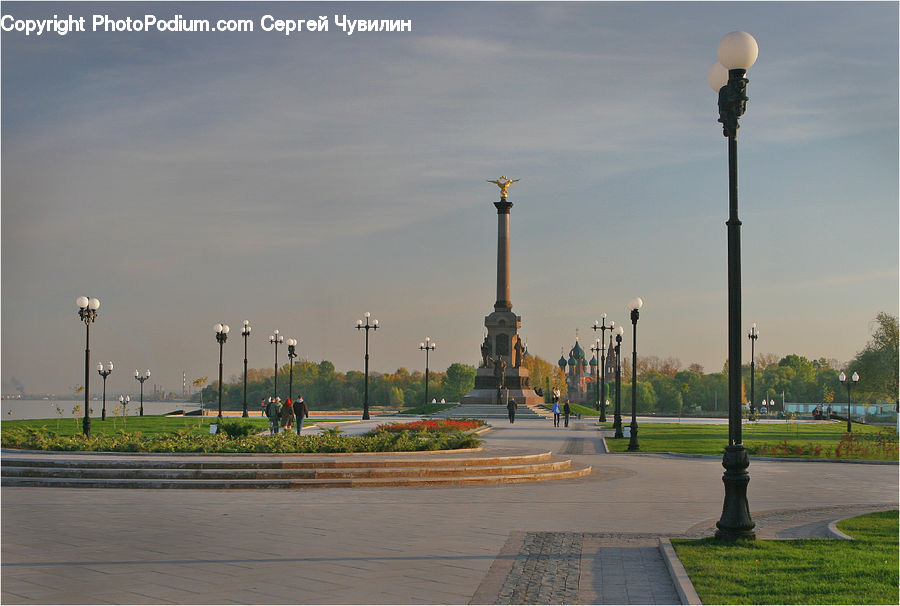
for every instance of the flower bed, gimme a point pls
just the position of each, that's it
(285, 442)
(433, 426)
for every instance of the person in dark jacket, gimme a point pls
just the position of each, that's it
(273, 411)
(567, 410)
(511, 408)
(302, 412)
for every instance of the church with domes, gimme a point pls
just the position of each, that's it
(580, 374)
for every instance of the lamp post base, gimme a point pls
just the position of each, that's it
(735, 522)
(617, 425)
(633, 442)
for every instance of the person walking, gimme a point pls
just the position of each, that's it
(273, 411)
(556, 412)
(555, 393)
(511, 409)
(287, 415)
(302, 412)
(567, 410)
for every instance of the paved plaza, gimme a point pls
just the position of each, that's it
(591, 540)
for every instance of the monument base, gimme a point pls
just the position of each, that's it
(517, 382)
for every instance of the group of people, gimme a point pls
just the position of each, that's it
(283, 414)
(566, 409)
(819, 414)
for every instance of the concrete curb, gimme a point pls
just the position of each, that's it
(680, 578)
(604, 444)
(238, 454)
(833, 529)
(683, 455)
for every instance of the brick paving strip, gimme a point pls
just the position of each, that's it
(623, 568)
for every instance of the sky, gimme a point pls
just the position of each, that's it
(299, 181)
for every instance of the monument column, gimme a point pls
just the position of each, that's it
(503, 303)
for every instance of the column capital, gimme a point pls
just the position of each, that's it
(503, 207)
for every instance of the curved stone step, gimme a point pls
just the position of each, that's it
(159, 473)
(293, 483)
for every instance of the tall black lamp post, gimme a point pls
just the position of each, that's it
(634, 306)
(737, 52)
(221, 337)
(245, 332)
(852, 381)
(617, 418)
(753, 335)
(104, 373)
(428, 346)
(139, 377)
(275, 339)
(292, 353)
(87, 312)
(366, 326)
(603, 327)
(596, 348)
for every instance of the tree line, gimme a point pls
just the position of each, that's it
(663, 384)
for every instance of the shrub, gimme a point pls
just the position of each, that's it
(237, 429)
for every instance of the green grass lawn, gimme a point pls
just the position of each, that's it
(579, 409)
(803, 571)
(869, 442)
(148, 424)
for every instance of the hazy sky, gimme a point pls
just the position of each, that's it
(299, 181)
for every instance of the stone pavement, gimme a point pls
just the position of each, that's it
(537, 542)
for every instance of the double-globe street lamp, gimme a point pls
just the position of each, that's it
(617, 419)
(852, 381)
(139, 377)
(634, 307)
(367, 327)
(104, 372)
(596, 348)
(428, 346)
(87, 312)
(221, 337)
(275, 339)
(292, 353)
(603, 327)
(124, 401)
(737, 51)
(753, 335)
(245, 332)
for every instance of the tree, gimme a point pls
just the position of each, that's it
(540, 370)
(458, 382)
(877, 363)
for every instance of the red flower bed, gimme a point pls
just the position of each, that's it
(433, 425)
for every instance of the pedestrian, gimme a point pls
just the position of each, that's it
(287, 415)
(273, 411)
(511, 409)
(302, 412)
(556, 412)
(567, 410)
(262, 405)
(556, 394)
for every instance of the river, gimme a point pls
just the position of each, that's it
(47, 409)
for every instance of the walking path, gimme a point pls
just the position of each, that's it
(588, 540)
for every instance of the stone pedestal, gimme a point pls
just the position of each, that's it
(517, 380)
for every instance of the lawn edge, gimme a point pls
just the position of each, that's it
(680, 578)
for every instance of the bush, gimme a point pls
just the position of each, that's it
(237, 429)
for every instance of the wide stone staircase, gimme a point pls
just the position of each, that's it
(493, 411)
(129, 470)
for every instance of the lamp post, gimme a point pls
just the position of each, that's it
(596, 349)
(245, 332)
(617, 418)
(428, 346)
(737, 51)
(292, 353)
(123, 401)
(852, 381)
(634, 306)
(138, 376)
(275, 339)
(221, 337)
(87, 312)
(104, 373)
(366, 326)
(603, 327)
(753, 335)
